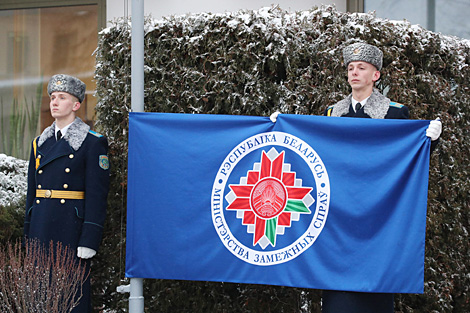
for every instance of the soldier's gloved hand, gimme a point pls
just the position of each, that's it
(273, 116)
(434, 129)
(85, 253)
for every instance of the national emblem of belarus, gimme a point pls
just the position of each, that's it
(281, 207)
(268, 200)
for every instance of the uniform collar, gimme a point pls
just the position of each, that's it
(376, 107)
(363, 102)
(75, 134)
(63, 130)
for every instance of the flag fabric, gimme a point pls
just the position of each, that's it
(309, 201)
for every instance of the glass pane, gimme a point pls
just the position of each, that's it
(34, 45)
(450, 16)
(414, 11)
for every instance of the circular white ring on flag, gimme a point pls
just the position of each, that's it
(265, 194)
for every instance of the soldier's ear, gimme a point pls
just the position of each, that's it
(76, 106)
(376, 76)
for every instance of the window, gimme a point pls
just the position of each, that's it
(448, 17)
(38, 42)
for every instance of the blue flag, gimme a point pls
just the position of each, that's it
(309, 201)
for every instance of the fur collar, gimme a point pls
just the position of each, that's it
(376, 107)
(75, 135)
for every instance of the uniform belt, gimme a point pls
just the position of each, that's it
(59, 194)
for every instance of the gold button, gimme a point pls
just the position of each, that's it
(66, 186)
(37, 201)
(39, 156)
(67, 170)
(62, 201)
(40, 172)
(71, 156)
(47, 194)
(39, 186)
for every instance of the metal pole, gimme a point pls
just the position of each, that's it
(431, 17)
(137, 56)
(136, 299)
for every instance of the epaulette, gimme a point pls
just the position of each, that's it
(328, 111)
(95, 133)
(396, 105)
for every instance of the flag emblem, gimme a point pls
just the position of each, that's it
(269, 199)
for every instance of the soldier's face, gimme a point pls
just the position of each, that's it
(362, 75)
(63, 105)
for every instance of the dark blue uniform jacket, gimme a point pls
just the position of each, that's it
(78, 163)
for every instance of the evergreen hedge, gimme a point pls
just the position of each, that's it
(13, 185)
(257, 62)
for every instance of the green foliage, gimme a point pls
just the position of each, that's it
(13, 184)
(257, 62)
(22, 127)
(11, 221)
(190, 296)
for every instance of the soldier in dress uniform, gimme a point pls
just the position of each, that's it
(68, 179)
(364, 62)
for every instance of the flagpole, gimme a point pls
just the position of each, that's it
(137, 56)
(136, 298)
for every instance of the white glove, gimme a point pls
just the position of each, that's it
(85, 253)
(273, 116)
(434, 129)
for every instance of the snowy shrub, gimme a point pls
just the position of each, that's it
(13, 180)
(13, 185)
(257, 62)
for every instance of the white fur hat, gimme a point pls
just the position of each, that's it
(68, 84)
(361, 51)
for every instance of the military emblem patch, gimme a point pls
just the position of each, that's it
(104, 162)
